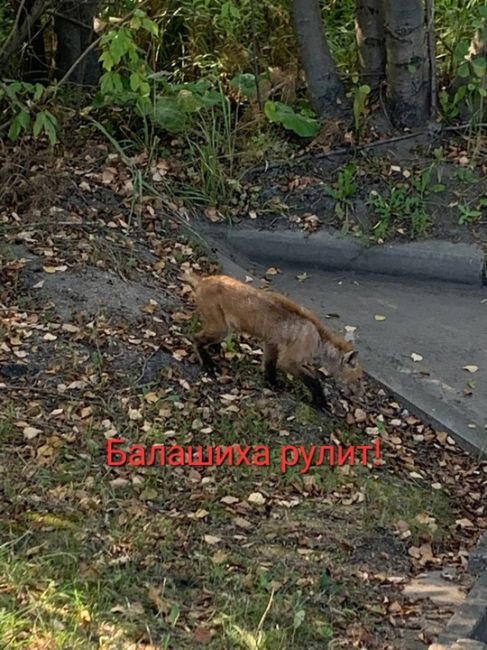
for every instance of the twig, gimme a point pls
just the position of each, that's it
(430, 17)
(68, 19)
(347, 150)
(254, 54)
(22, 32)
(14, 28)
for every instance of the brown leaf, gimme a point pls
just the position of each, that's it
(202, 635)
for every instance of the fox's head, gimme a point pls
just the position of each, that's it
(349, 374)
(345, 368)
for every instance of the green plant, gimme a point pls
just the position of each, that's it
(342, 191)
(360, 94)
(470, 69)
(468, 214)
(211, 143)
(302, 123)
(126, 78)
(400, 206)
(466, 175)
(22, 103)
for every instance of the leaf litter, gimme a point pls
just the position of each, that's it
(330, 550)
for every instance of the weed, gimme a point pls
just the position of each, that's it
(360, 94)
(406, 204)
(343, 191)
(466, 175)
(468, 215)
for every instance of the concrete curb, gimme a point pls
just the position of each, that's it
(428, 260)
(477, 562)
(468, 626)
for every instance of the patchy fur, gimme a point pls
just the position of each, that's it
(295, 340)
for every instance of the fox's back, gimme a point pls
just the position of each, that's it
(258, 312)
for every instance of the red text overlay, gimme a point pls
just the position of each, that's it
(236, 455)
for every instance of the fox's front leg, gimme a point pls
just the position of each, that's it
(310, 380)
(315, 387)
(270, 363)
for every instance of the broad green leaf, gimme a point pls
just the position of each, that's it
(168, 114)
(39, 123)
(135, 81)
(245, 83)
(38, 92)
(107, 60)
(15, 128)
(150, 26)
(189, 102)
(479, 65)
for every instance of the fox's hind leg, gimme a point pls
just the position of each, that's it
(213, 331)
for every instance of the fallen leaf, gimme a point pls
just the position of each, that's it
(149, 494)
(272, 271)
(242, 523)
(31, 432)
(257, 498)
(55, 269)
(416, 357)
(119, 482)
(212, 539)
(379, 317)
(202, 635)
(464, 523)
(229, 500)
(471, 368)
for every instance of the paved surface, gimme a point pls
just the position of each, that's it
(444, 323)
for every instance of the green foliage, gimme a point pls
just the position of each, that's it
(299, 123)
(360, 94)
(471, 70)
(359, 106)
(469, 214)
(400, 207)
(211, 142)
(127, 75)
(405, 207)
(343, 191)
(22, 103)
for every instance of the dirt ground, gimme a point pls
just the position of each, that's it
(95, 343)
(439, 180)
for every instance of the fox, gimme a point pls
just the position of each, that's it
(295, 341)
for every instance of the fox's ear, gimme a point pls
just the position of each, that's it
(351, 359)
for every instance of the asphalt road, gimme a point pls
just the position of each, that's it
(445, 324)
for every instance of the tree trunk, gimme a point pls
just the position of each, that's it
(324, 84)
(34, 62)
(407, 69)
(74, 30)
(369, 31)
(29, 24)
